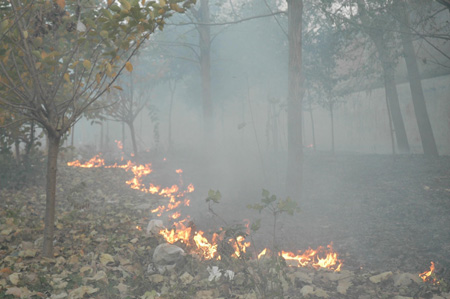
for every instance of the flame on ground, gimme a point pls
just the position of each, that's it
(319, 258)
(428, 276)
(195, 240)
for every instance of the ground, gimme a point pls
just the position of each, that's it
(382, 213)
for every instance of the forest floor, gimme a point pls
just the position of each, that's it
(387, 219)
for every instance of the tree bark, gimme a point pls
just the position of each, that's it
(415, 84)
(295, 94)
(49, 229)
(205, 68)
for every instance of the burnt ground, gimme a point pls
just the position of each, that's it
(381, 213)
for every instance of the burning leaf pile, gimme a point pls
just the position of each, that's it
(183, 230)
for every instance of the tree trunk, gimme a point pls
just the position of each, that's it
(415, 84)
(205, 68)
(72, 135)
(101, 137)
(312, 126)
(123, 137)
(332, 127)
(133, 138)
(172, 87)
(391, 91)
(17, 150)
(29, 145)
(391, 129)
(295, 94)
(52, 159)
(394, 108)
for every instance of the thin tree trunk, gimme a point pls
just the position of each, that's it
(391, 91)
(172, 87)
(133, 138)
(49, 229)
(123, 137)
(17, 150)
(72, 135)
(295, 94)
(415, 84)
(312, 126)
(29, 145)
(205, 68)
(391, 129)
(394, 108)
(332, 127)
(101, 137)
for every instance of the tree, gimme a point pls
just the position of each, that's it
(376, 25)
(295, 95)
(127, 108)
(418, 98)
(56, 59)
(323, 47)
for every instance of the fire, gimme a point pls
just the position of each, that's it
(207, 249)
(239, 245)
(196, 240)
(262, 253)
(428, 275)
(95, 161)
(175, 215)
(119, 144)
(319, 258)
(180, 233)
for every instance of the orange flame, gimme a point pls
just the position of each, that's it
(319, 258)
(95, 161)
(426, 276)
(207, 249)
(262, 253)
(119, 144)
(196, 241)
(175, 215)
(180, 233)
(239, 245)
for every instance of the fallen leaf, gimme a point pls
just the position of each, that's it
(7, 271)
(6, 232)
(61, 3)
(123, 288)
(101, 275)
(81, 291)
(106, 258)
(73, 260)
(28, 253)
(15, 291)
(14, 278)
